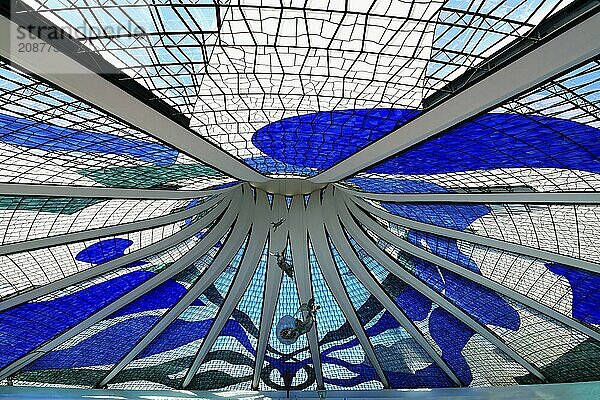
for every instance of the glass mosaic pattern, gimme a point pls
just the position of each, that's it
(274, 83)
(48, 136)
(174, 290)
(546, 140)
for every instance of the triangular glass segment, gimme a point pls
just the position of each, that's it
(306, 199)
(285, 363)
(166, 359)
(461, 347)
(86, 359)
(404, 362)
(344, 361)
(230, 363)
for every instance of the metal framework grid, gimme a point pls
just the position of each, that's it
(137, 248)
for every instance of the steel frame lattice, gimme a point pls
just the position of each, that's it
(443, 209)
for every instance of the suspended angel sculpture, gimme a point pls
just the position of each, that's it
(289, 329)
(277, 224)
(283, 263)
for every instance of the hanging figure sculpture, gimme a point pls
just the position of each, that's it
(288, 332)
(311, 308)
(283, 263)
(277, 224)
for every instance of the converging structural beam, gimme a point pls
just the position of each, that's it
(302, 269)
(391, 265)
(499, 244)
(205, 244)
(423, 254)
(98, 192)
(366, 279)
(277, 244)
(232, 245)
(318, 238)
(247, 268)
(113, 230)
(483, 198)
(126, 259)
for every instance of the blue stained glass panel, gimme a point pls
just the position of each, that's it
(418, 308)
(451, 335)
(54, 316)
(344, 362)
(41, 136)
(172, 351)
(404, 362)
(104, 251)
(105, 346)
(484, 304)
(235, 348)
(494, 141)
(490, 141)
(319, 140)
(585, 288)
(198, 318)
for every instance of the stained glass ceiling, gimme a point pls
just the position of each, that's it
(546, 140)
(251, 76)
(468, 258)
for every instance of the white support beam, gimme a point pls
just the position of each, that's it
(499, 244)
(248, 266)
(113, 230)
(93, 88)
(482, 198)
(387, 262)
(301, 262)
(277, 244)
(128, 258)
(99, 192)
(359, 270)
(178, 266)
(318, 237)
(566, 50)
(466, 273)
(231, 246)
